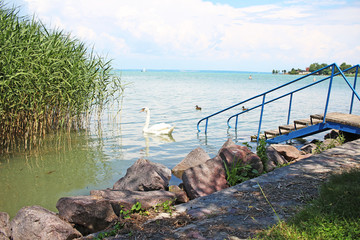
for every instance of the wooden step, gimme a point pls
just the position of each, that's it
(254, 137)
(306, 122)
(284, 129)
(272, 133)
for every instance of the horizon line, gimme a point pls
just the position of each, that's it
(185, 70)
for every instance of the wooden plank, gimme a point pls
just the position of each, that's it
(342, 118)
(254, 137)
(272, 133)
(289, 127)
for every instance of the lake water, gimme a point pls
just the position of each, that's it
(73, 164)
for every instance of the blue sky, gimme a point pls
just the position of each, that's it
(255, 35)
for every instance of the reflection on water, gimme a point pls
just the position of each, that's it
(156, 139)
(64, 163)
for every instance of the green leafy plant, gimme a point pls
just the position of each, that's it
(261, 151)
(113, 232)
(320, 146)
(136, 208)
(246, 144)
(165, 207)
(239, 172)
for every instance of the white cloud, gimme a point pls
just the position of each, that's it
(201, 32)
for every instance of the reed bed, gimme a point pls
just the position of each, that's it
(48, 80)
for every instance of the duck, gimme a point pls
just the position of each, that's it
(197, 107)
(157, 129)
(244, 109)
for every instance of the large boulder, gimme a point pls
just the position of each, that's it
(274, 159)
(228, 143)
(125, 199)
(4, 226)
(36, 222)
(309, 148)
(234, 154)
(89, 213)
(180, 194)
(194, 158)
(289, 152)
(144, 175)
(205, 178)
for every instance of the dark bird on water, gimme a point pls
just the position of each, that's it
(197, 107)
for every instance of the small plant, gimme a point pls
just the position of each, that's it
(261, 151)
(111, 233)
(239, 173)
(320, 146)
(246, 144)
(165, 207)
(136, 208)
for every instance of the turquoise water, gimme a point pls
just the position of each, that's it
(74, 164)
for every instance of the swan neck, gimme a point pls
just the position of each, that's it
(147, 119)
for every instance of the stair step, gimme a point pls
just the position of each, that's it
(303, 122)
(254, 137)
(317, 116)
(306, 122)
(272, 133)
(286, 128)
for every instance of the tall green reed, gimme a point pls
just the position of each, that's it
(48, 80)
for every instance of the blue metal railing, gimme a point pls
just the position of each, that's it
(264, 102)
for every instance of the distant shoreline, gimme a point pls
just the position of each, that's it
(189, 71)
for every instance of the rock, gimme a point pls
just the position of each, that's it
(228, 143)
(309, 148)
(274, 159)
(180, 194)
(194, 158)
(4, 226)
(127, 198)
(270, 166)
(205, 178)
(144, 175)
(304, 156)
(36, 222)
(289, 152)
(89, 213)
(333, 134)
(231, 155)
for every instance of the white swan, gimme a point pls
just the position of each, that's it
(161, 128)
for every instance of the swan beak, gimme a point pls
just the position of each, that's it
(142, 110)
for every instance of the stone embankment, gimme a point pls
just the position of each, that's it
(216, 210)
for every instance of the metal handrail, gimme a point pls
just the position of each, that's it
(264, 102)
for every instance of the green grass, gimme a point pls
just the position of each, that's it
(48, 80)
(335, 214)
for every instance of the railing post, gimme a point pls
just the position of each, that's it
(353, 93)
(329, 89)
(261, 115)
(288, 120)
(236, 123)
(206, 124)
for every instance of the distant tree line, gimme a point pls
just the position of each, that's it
(314, 67)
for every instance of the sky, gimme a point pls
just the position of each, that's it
(250, 35)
